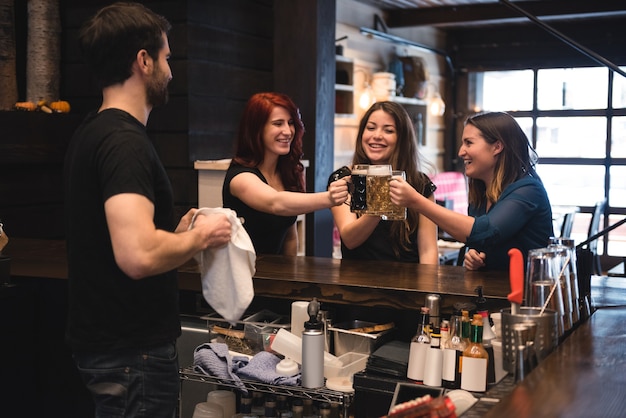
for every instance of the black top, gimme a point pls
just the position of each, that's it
(266, 231)
(378, 245)
(109, 154)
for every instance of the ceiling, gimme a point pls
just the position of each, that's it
(451, 14)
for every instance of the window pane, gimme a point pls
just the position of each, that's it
(571, 137)
(572, 88)
(617, 237)
(527, 126)
(618, 137)
(619, 90)
(572, 185)
(518, 86)
(617, 192)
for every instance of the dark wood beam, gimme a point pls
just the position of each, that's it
(304, 68)
(500, 13)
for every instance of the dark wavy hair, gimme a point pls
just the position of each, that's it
(517, 159)
(250, 149)
(110, 40)
(405, 156)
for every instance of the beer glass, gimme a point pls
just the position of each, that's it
(543, 282)
(358, 200)
(377, 189)
(396, 213)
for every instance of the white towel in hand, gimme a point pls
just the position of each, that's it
(227, 272)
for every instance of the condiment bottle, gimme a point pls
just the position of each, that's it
(465, 326)
(475, 359)
(245, 406)
(258, 404)
(282, 406)
(445, 332)
(452, 350)
(270, 407)
(324, 410)
(307, 405)
(297, 408)
(313, 348)
(488, 337)
(419, 346)
(434, 360)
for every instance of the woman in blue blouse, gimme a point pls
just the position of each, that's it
(508, 204)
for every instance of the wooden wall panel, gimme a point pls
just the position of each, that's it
(222, 53)
(528, 45)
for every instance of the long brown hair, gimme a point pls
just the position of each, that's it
(251, 148)
(405, 156)
(517, 159)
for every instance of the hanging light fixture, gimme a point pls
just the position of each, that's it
(436, 105)
(366, 95)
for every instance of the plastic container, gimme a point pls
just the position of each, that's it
(346, 341)
(250, 335)
(351, 363)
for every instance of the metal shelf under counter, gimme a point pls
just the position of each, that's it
(322, 394)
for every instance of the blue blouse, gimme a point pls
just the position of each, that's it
(521, 218)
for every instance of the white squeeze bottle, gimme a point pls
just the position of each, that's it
(419, 346)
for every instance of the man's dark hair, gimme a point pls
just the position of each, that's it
(111, 39)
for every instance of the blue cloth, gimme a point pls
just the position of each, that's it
(521, 218)
(262, 367)
(142, 383)
(214, 359)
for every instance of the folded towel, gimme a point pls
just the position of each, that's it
(262, 367)
(214, 360)
(227, 272)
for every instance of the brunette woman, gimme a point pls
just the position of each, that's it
(386, 136)
(508, 204)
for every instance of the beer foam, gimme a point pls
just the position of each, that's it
(379, 170)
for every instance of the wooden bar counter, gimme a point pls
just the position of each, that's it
(363, 283)
(584, 377)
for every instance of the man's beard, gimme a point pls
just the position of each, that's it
(156, 89)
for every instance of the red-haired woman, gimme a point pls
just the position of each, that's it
(264, 183)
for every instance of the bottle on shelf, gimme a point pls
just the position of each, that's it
(452, 351)
(307, 408)
(488, 334)
(313, 340)
(444, 329)
(434, 360)
(282, 407)
(488, 337)
(258, 404)
(270, 407)
(465, 326)
(324, 410)
(419, 346)
(245, 406)
(297, 408)
(475, 359)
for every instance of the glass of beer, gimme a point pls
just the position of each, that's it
(396, 213)
(358, 200)
(378, 202)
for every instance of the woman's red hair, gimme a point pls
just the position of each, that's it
(250, 146)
